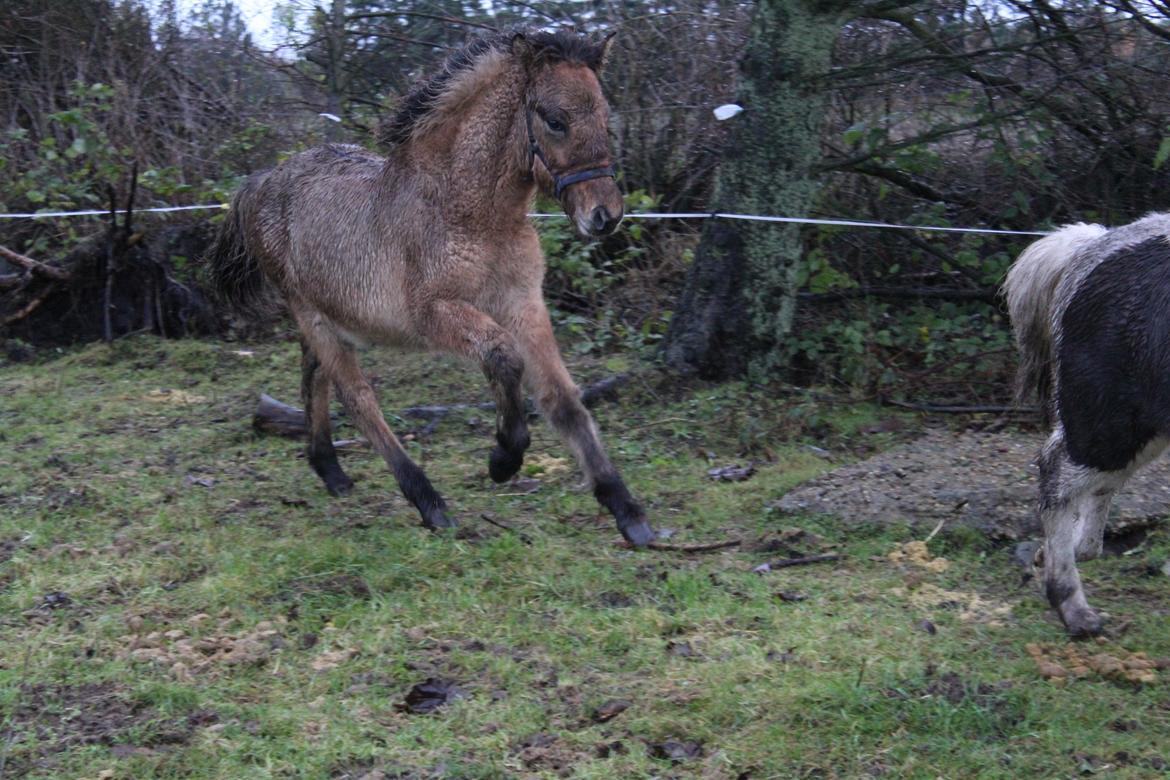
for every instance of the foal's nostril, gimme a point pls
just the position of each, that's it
(600, 220)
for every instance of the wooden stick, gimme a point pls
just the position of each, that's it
(35, 266)
(523, 536)
(784, 563)
(29, 307)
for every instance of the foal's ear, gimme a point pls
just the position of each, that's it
(606, 47)
(522, 48)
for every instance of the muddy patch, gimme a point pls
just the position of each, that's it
(985, 481)
(50, 719)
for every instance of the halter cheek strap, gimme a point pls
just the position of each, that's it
(561, 182)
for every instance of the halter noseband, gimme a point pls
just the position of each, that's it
(561, 182)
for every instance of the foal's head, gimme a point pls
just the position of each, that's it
(568, 118)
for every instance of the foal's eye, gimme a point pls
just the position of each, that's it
(555, 126)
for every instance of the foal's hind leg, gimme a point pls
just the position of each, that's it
(339, 362)
(460, 328)
(315, 396)
(560, 400)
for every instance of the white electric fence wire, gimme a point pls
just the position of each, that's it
(644, 215)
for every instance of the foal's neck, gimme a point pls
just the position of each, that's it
(482, 154)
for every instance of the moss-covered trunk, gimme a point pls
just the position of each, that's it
(738, 305)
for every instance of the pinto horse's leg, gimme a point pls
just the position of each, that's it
(1074, 504)
(339, 362)
(460, 328)
(560, 400)
(315, 396)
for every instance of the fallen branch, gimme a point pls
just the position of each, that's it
(280, 419)
(29, 307)
(35, 266)
(784, 563)
(694, 548)
(439, 412)
(937, 409)
(603, 390)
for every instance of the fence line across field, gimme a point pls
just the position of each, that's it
(636, 215)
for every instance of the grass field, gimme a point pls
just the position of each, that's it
(179, 598)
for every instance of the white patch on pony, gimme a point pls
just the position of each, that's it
(1032, 280)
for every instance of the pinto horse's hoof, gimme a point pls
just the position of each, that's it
(638, 533)
(503, 464)
(437, 520)
(1083, 623)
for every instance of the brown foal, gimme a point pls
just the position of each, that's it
(430, 248)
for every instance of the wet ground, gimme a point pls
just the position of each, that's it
(986, 481)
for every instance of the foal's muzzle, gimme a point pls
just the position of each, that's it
(602, 223)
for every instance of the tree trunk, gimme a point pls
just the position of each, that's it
(738, 305)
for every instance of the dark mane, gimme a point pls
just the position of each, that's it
(548, 48)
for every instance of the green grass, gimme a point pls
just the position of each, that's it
(157, 512)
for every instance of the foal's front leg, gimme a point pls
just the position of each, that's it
(460, 328)
(560, 400)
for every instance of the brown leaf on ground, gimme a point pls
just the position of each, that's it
(610, 710)
(1058, 664)
(674, 750)
(431, 694)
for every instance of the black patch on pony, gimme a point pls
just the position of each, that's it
(548, 48)
(1113, 362)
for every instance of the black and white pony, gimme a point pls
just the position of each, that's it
(1090, 308)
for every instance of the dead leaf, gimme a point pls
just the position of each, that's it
(429, 695)
(673, 750)
(610, 710)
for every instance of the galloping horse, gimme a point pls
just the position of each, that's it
(1091, 312)
(430, 248)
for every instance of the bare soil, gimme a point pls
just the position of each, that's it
(56, 718)
(986, 481)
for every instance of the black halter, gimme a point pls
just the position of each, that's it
(562, 181)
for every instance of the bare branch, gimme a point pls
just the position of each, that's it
(37, 267)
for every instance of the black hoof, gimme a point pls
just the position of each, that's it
(437, 520)
(339, 487)
(337, 482)
(503, 464)
(638, 533)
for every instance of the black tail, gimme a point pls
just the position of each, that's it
(234, 273)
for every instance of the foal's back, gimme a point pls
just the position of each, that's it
(339, 232)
